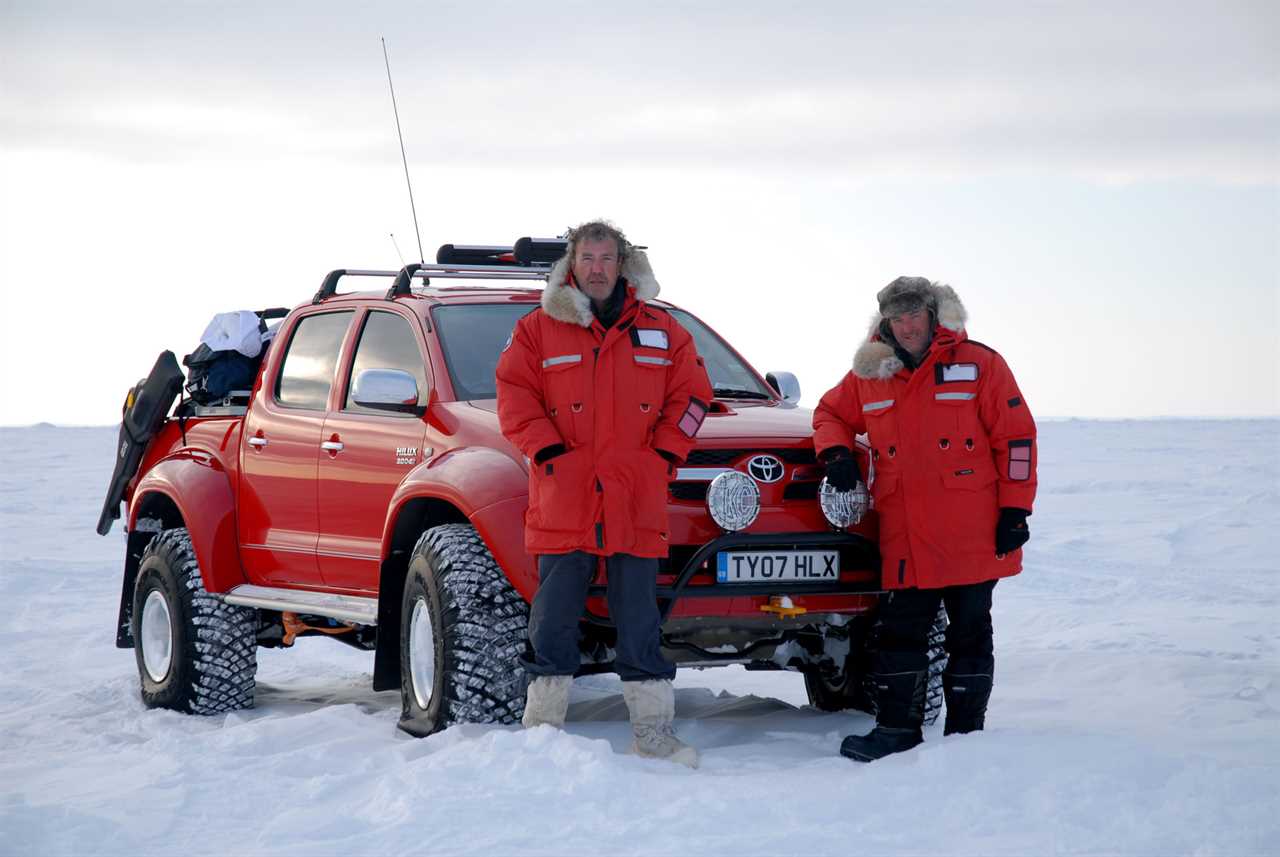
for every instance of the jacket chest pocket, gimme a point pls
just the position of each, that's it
(649, 372)
(564, 384)
(881, 418)
(955, 412)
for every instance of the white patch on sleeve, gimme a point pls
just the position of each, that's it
(652, 337)
(960, 372)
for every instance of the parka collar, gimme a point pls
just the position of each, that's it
(564, 301)
(630, 306)
(875, 359)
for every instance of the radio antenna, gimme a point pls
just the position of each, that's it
(396, 110)
(396, 244)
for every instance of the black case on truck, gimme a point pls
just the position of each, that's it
(152, 399)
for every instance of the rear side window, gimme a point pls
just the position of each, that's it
(307, 372)
(387, 342)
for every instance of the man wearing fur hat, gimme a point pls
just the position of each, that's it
(954, 465)
(603, 392)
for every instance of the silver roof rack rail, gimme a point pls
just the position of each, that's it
(401, 287)
(403, 277)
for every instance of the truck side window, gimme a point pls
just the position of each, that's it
(387, 342)
(307, 372)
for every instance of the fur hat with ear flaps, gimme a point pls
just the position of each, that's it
(565, 302)
(876, 357)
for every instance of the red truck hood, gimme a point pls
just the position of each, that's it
(755, 421)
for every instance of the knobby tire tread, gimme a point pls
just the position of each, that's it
(222, 646)
(486, 626)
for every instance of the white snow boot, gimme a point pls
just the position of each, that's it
(548, 701)
(653, 706)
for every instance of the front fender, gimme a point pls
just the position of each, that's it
(490, 490)
(200, 487)
(501, 525)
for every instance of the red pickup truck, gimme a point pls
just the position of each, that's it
(361, 490)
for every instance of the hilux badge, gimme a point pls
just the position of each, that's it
(406, 454)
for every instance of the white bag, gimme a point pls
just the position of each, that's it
(234, 330)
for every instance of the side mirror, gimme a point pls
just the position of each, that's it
(393, 390)
(787, 385)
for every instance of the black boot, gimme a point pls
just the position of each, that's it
(901, 712)
(880, 742)
(967, 687)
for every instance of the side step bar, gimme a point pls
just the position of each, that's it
(344, 608)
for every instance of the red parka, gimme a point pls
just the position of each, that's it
(612, 397)
(952, 443)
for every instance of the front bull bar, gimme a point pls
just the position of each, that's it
(865, 553)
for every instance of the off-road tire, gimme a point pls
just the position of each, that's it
(479, 625)
(213, 645)
(937, 664)
(854, 688)
(850, 688)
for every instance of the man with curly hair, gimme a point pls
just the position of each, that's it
(603, 392)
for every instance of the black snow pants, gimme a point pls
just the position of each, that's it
(902, 643)
(562, 596)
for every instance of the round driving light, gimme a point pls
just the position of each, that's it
(734, 500)
(843, 508)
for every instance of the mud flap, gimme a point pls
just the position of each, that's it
(151, 401)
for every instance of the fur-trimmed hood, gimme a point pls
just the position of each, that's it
(876, 358)
(565, 302)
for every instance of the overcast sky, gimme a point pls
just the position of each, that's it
(1100, 182)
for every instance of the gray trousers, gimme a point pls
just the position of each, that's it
(561, 598)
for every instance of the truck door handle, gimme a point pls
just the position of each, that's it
(332, 446)
(258, 442)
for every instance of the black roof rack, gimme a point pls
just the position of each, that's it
(539, 251)
(526, 252)
(475, 254)
(330, 284)
(400, 288)
(527, 259)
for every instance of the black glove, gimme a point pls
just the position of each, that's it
(1011, 530)
(842, 468)
(549, 452)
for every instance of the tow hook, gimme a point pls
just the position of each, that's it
(783, 606)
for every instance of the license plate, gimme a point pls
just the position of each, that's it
(764, 566)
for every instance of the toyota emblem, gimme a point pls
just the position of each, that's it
(765, 468)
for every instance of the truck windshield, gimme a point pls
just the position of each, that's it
(730, 376)
(473, 336)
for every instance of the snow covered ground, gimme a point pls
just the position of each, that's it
(1137, 707)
